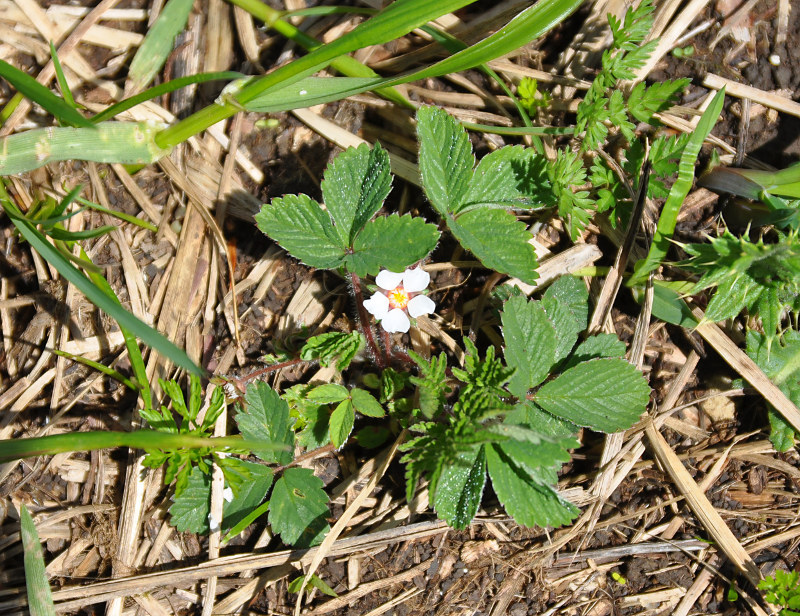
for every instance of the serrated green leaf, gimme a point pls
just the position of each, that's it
(566, 303)
(315, 432)
(445, 159)
(460, 488)
(328, 394)
(512, 176)
(607, 395)
(190, 510)
(529, 503)
(732, 296)
(530, 344)
(781, 433)
(366, 404)
(298, 508)
(499, 240)
(333, 346)
(40, 599)
(354, 187)
(265, 416)
(249, 497)
(341, 423)
(303, 229)
(391, 242)
(601, 345)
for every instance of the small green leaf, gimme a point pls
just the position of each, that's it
(313, 582)
(670, 307)
(781, 433)
(315, 431)
(40, 599)
(341, 423)
(333, 346)
(265, 416)
(460, 488)
(391, 242)
(303, 229)
(512, 176)
(530, 344)
(366, 404)
(529, 503)
(354, 187)
(249, 497)
(190, 510)
(498, 239)
(328, 394)
(445, 159)
(372, 436)
(298, 508)
(607, 395)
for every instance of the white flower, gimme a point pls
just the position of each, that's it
(400, 299)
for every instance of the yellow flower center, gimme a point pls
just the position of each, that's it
(398, 298)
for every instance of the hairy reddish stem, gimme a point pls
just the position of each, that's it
(241, 382)
(366, 328)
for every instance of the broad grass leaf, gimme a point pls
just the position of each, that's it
(460, 488)
(298, 507)
(530, 344)
(445, 159)
(499, 240)
(40, 599)
(354, 187)
(250, 495)
(303, 229)
(190, 510)
(265, 417)
(391, 242)
(529, 503)
(607, 395)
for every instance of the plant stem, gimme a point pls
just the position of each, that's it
(364, 322)
(241, 382)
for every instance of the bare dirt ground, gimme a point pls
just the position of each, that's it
(639, 547)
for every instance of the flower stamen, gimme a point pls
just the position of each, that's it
(398, 298)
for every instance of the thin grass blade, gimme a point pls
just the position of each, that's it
(40, 599)
(110, 372)
(157, 44)
(32, 89)
(66, 93)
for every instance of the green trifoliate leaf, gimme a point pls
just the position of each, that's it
(303, 229)
(265, 416)
(328, 394)
(249, 496)
(530, 344)
(499, 240)
(512, 176)
(366, 404)
(391, 242)
(529, 503)
(341, 423)
(190, 510)
(460, 488)
(354, 187)
(332, 347)
(607, 395)
(445, 159)
(298, 507)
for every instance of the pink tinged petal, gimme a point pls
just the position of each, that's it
(415, 280)
(419, 305)
(388, 280)
(377, 305)
(396, 321)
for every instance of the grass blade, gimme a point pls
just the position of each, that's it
(40, 600)
(147, 440)
(121, 215)
(157, 44)
(125, 319)
(32, 89)
(678, 192)
(110, 372)
(66, 93)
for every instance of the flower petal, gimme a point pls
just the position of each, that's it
(377, 305)
(421, 304)
(396, 321)
(388, 280)
(415, 280)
